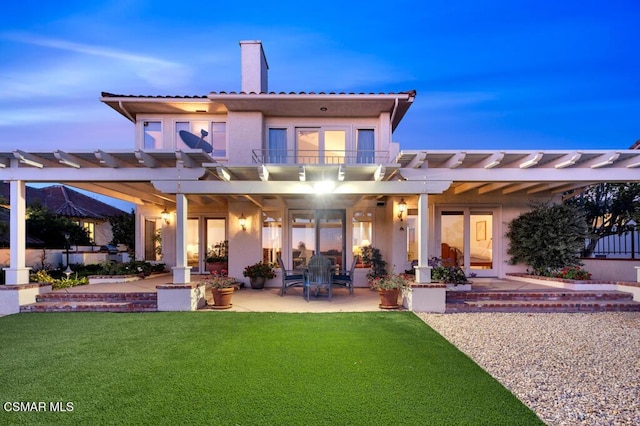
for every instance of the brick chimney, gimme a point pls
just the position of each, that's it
(254, 67)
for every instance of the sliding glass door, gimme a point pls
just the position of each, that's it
(466, 239)
(317, 231)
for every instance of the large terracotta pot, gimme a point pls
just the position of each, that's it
(217, 267)
(257, 282)
(389, 298)
(222, 297)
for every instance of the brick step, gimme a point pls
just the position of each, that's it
(538, 296)
(542, 306)
(94, 306)
(98, 297)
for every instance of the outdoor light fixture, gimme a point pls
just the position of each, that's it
(242, 221)
(323, 186)
(165, 216)
(67, 271)
(402, 207)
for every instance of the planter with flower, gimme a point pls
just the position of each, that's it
(259, 273)
(453, 276)
(218, 257)
(222, 288)
(389, 287)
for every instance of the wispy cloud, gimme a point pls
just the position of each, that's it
(87, 49)
(155, 71)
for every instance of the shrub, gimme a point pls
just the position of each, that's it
(259, 270)
(446, 274)
(548, 238)
(43, 276)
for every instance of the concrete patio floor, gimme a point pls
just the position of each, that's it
(269, 299)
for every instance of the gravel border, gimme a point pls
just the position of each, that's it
(569, 368)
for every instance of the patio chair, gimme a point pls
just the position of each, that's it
(318, 275)
(290, 278)
(345, 278)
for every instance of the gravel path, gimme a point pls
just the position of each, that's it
(571, 369)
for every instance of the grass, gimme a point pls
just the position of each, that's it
(234, 368)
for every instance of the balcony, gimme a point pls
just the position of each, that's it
(294, 157)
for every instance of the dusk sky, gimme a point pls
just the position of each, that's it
(488, 74)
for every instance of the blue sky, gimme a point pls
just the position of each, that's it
(489, 74)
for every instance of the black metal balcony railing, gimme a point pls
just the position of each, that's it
(294, 157)
(623, 246)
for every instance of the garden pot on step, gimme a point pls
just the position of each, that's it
(222, 297)
(389, 298)
(257, 282)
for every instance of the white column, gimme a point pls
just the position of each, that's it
(17, 272)
(423, 270)
(181, 272)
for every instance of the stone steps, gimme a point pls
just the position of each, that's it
(540, 301)
(93, 302)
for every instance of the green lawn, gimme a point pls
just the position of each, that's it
(244, 369)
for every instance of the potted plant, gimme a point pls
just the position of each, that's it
(218, 257)
(222, 288)
(389, 288)
(258, 273)
(372, 257)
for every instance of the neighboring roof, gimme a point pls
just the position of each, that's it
(282, 104)
(67, 202)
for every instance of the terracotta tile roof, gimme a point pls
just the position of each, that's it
(113, 95)
(67, 202)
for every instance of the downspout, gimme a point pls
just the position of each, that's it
(129, 116)
(393, 113)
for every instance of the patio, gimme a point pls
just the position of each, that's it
(269, 299)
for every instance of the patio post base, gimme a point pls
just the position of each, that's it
(16, 275)
(423, 274)
(181, 274)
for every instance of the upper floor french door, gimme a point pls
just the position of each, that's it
(320, 146)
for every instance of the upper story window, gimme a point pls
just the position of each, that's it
(213, 133)
(277, 146)
(324, 146)
(365, 146)
(153, 135)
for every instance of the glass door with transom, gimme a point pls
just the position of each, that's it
(466, 239)
(317, 231)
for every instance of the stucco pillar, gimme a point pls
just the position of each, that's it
(181, 272)
(423, 270)
(17, 272)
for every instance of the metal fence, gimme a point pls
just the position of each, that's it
(623, 246)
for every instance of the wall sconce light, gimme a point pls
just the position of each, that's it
(402, 207)
(242, 221)
(165, 216)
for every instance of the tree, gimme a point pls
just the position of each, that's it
(51, 228)
(547, 238)
(608, 209)
(123, 228)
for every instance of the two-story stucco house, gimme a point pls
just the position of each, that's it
(273, 172)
